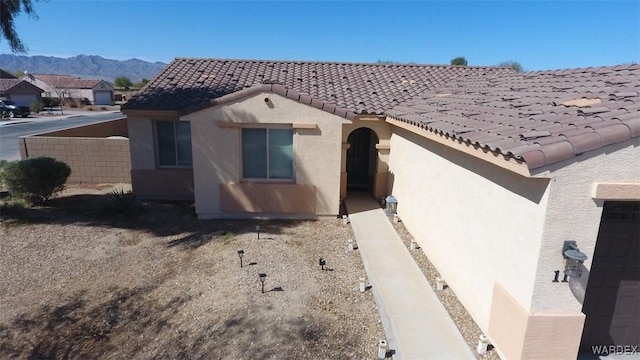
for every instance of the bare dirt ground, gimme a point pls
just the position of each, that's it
(79, 283)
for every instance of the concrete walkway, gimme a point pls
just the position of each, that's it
(415, 322)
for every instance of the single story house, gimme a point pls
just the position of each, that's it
(508, 181)
(21, 92)
(96, 91)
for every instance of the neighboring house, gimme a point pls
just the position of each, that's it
(21, 92)
(6, 75)
(96, 91)
(493, 171)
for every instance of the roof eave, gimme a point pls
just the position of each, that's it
(513, 163)
(270, 88)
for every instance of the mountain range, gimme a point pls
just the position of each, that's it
(85, 66)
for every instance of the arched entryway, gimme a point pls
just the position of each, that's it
(361, 160)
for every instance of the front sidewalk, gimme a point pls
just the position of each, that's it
(416, 323)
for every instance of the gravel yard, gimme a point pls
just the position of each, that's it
(78, 283)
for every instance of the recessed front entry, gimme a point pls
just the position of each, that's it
(612, 300)
(361, 159)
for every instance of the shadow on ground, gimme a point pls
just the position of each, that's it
(160, 218)
(129, 324)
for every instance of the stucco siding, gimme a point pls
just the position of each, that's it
(141, 142)
(574, 215)
(478, 223)
(217, 148)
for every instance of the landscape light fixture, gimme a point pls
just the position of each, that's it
(240, 255)
(575, 258)
(322, 263)
(391, 205)
(258, 231)
(262, 277)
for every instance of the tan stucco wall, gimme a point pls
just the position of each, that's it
(147, 180)
(92, 160)
(217, 149)
(573, 214)
(522, 335)
(141, 138)
(478, 223)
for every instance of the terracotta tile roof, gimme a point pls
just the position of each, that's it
(354, 88)
(542, 117)
(67, 81)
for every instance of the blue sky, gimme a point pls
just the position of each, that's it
(538, 34)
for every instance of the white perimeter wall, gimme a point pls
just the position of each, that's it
(478, 223)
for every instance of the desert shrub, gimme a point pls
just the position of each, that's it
(103, 108)
(36, 106)
(123, 202)
(35, 179)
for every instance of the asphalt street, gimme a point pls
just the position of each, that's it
(12, 130)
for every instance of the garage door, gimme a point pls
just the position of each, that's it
(612, 300)
(102, 97)
(23, 99)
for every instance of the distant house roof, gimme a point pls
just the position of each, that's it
(542, 117)
(8, 84)
(67, 81)
(6, 75)
(350, 88)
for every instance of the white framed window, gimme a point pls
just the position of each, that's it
(267, 153)
(173, 143)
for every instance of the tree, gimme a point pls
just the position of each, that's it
(140, 84)
(460, 60)
(8, 10)
(512, 64)
(123, 82)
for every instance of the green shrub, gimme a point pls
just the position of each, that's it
(36, 106)
(123, 202)
(35, 179)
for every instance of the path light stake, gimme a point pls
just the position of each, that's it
(322, 263)
(382, 349)
(240, 255)
(258, 231)
(262, 278)
(350, 246)
(412, 246)
(483, 345)
(362, 286)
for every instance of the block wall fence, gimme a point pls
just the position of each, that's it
(92, 157)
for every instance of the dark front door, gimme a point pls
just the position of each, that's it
(361, 159)
(612, 300)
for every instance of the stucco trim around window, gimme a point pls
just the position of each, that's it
(623, 191)
(237, 125)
